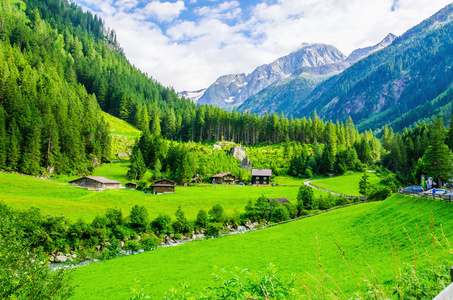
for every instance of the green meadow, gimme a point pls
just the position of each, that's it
(365, 233)
(120, 127)
(347, 184)
(53, 197)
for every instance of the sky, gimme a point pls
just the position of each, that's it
(188, 44)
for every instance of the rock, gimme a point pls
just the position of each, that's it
(59, 254)
(216, 147)
(122, 155)
(98, 247)
(237, 152)
(52, 259)
(67, 255)
(246, 164)
(241, 229)
(72, 252)
(70, 259)
(172, 235)
(107, 244)
(95, 162)
(61, 258)
(138, 238)
(74, 256)
(122, 244)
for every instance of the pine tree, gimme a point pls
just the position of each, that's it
(3, 140)
(364, 185)
(137, 168)
(437, 160)
(13, 147)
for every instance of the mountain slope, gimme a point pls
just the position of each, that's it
(286, 94)
(389, 86)
(232, 90)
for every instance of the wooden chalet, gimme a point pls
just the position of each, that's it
(163, 186)
(280, 200)
(261, 176)
(98, 183)
(131, 186)
(196, 179)
(224, 178)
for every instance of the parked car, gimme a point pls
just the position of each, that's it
(436, 191)
(448, 196)
(414, 189)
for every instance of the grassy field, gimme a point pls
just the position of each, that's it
(120, 127)
(348, 184)
(23, 192)
(363, 232)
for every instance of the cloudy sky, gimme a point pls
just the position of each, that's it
(188, 44)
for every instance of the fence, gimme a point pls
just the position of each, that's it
(446, 198)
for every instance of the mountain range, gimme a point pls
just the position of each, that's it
(309, 65)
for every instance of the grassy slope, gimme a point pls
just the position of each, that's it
(120, 127)
(348, 184)
(23, 192)
(362, 231)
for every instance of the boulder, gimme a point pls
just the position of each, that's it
(95, 162)
(59, 254)
(51, 259)
(246, 164)
(74, 256)
(237, 152)
(216, 147)
(122, 155)
(61, 258)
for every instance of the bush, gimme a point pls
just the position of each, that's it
(213, 229)
(325, 202)
(217, 214)
(341, 201)
(138, 218)
(132, 245)
(379, 193)
(292, 209)
(177, 236)
(162, 224)
(279, 214)
(202, 218)
(149, 241)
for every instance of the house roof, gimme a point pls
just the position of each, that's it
(164, 179)
(163, 185)
(221, 175)
(280, 200)
(97, 179)
(261, 172)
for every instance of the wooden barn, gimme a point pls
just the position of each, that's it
(163, 186)
(280, 200)
(261, 176)
(131, 186)
(196, 179)
(224, 178)
(98, 183)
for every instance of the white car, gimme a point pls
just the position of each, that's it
(437, 191)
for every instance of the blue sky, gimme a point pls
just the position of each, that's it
(188, 44)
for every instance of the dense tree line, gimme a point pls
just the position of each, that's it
(425, 149)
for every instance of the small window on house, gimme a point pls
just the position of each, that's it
(264, 178)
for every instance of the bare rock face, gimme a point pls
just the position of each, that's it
(246, 164)
(237, 152)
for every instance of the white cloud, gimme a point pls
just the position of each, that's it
(191, 53)
(164, 11)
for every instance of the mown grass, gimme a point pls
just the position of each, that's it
(23, 192)
(347, 184)
(364, 232)
(120, 127)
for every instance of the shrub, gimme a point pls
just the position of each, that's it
(181, 224)
(202, 218)
(341, 201)
(305, 198)
(149, 241)
(379, 193)
(132, 245)
(162, 224)
(292, 209)
(279, 214)
(177, 236)
(217, 214)
(213, 229)
(138, 218)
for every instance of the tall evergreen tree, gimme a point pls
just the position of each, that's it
(438, 158)
(14, 152)
(137, 168)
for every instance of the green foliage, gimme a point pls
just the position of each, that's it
(162, 224)
(24, 272)
(202, 218)
(379, 193)
(132, 245)
(305, 198)
(182, 225)
(364, 185)
(137, 167)
(262, 209)
(139, 218)
(149, 241)
(279, 214)
(217, 214)
(213, 229)
(438, 158)
(292, 209)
